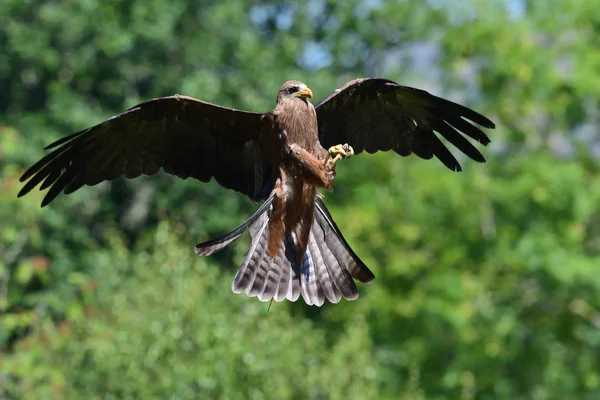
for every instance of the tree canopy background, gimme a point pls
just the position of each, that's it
(488, 281)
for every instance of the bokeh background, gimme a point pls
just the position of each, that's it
(488, 281)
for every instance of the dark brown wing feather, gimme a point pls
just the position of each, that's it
(373, 114)
(184, 136)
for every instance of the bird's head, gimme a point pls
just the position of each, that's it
(293, 90)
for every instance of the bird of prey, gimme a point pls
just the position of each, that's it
(280, 157)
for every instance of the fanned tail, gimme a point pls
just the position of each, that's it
(327, 271)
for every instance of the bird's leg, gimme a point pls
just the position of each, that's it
(318, 172)
(338, 152)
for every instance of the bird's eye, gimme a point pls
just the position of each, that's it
(293, 89)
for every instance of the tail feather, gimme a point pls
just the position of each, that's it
(262, 266)
(284, 286)
(295, 289)
(245, 277)
(212, 246)
(336, 270)
(325, 280)
(271, 285)
(257, 263)
(334, 240)
(310, 287)
(287, 255)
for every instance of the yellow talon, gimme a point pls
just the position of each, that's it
(339, 151)
(349, 150)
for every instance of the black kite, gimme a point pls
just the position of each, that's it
(280, 157)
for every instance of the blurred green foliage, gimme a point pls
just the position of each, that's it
(488, 283)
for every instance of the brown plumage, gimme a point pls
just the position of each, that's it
(280, 157)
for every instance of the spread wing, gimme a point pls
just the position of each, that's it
(183, 136)
(375, 114)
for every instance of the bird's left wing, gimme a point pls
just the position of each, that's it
(184, 136)
(373, 114)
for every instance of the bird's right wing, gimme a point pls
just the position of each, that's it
(183, 136)
(373, 114)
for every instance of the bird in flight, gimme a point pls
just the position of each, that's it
(279, 158)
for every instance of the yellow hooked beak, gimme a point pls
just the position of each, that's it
(304, 93)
